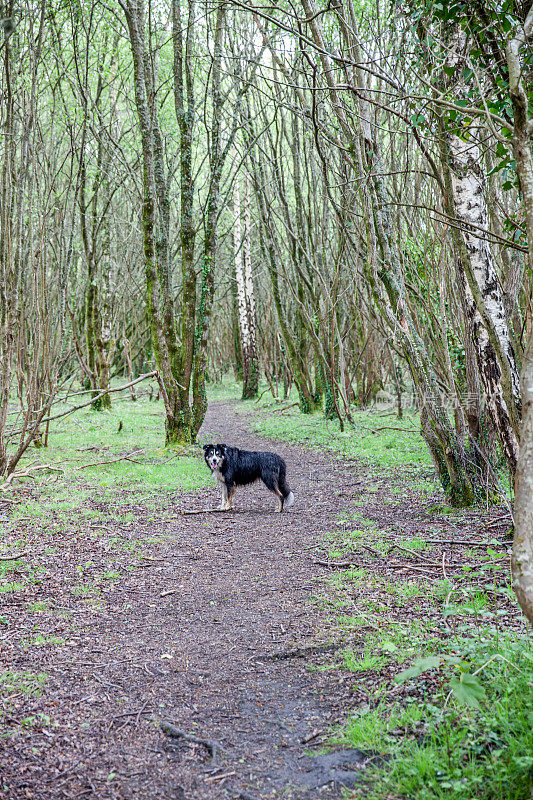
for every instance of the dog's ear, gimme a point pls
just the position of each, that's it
(206, 447)
(222, 448)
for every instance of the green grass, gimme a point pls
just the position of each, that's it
(93, 488)
(89, 437)
(383, 448)
(440, 747)
(14, 683)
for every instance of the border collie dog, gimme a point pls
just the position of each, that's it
(233, 467)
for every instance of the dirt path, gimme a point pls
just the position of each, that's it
(215, 632)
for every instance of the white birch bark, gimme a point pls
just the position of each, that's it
(468, 183)
(245, 287)
(466, 198)
(522, 559)
(239, 267)
(249, 290)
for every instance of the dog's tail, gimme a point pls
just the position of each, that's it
(288, 496)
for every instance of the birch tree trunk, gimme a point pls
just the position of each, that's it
(245, 289)
(522, 558)
(480, 288)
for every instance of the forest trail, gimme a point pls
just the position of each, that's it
(218, 634)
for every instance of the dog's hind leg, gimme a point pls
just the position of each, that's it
(272, 483)
(288, 496)
(281, 497)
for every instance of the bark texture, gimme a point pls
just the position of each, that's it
(245, 289)
(522, 558)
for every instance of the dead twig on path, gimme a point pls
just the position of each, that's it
(214, 778)
(203, 511)
(314, 735)
(335, 565)
(463, 542)
(425, 570)
(212, 746)
(412, 553)
(497, 521)
(13, 558)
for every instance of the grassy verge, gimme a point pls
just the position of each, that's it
(376, 438)
(462, 730)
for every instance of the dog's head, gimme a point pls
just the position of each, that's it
(214, 455)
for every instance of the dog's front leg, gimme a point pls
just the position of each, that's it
(230, 498)
(223, 498)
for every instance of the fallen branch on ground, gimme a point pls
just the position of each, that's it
(212, 746)
(203, 511)
(463, 542)
(127, 457)
(281, 410)
(13, 558)
(335, 564)
(426, 569)
(412, 553)
(388, 428)
(27, 473)
(215, 778)
(311, 736)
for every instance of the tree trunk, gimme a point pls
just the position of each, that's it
(245, 290)
(480, 288)
(522, 559)
(155, 225)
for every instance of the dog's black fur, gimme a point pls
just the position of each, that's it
(233, 467)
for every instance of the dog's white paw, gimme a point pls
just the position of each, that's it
(290, 500)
